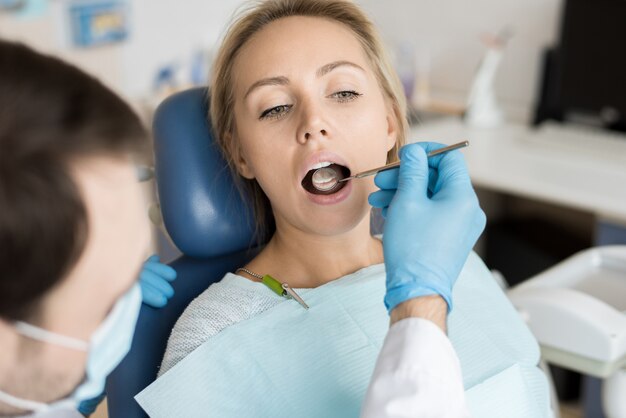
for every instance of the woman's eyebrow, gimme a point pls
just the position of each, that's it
(271, 81)
(322, 71)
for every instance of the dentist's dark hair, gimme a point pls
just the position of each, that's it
(51, 114)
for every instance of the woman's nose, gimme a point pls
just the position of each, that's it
(309, 135)
(313, 125)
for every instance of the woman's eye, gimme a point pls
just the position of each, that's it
(275, 112)
(346, 95)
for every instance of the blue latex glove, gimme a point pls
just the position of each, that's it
(432, 222)
(88, 407)
(155, 280)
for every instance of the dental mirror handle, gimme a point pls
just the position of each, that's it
(373, 171)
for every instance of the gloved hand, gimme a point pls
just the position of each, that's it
(154, 281)
(432, 222)
(88, 407)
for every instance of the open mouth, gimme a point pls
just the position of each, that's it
(324, 180)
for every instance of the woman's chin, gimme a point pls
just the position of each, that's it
(338, 223)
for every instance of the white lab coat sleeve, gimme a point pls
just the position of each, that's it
(417, 374)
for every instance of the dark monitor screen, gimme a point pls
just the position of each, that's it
(593, 57)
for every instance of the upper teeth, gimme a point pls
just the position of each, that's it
(321, 164)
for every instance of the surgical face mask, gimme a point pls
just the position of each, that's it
(107, 346)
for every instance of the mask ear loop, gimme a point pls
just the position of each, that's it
(24, 404)
(42, 335)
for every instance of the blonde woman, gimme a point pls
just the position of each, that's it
(275, 118)
(300, 85)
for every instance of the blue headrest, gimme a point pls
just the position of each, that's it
(203, 212)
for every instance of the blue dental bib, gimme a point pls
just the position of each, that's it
(290, 362)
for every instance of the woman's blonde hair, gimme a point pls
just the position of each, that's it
(249, 22)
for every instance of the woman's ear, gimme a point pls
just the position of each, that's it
(243, 168)
(392, 127)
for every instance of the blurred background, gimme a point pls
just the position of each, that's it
(129, 44)
(537, 87)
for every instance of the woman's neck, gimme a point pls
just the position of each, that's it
(304, 260)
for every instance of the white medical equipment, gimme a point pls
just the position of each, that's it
(577, 312)
(482, 107)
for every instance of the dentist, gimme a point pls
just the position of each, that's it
(73, 236)
(433, 220)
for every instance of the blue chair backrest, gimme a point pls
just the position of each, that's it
(206, 219)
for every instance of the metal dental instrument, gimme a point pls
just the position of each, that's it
(294, 295)
(373, 171)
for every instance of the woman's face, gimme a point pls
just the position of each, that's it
(305, 96)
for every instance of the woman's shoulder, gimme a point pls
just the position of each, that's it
(228, 301)
(225, 303)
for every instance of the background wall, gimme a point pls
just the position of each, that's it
(47, 32)
(161, 32)
(447, 33)
(170, 30)
(443, 33)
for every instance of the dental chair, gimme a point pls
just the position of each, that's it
(207, 220)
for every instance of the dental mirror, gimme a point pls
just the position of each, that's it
(325, 178)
